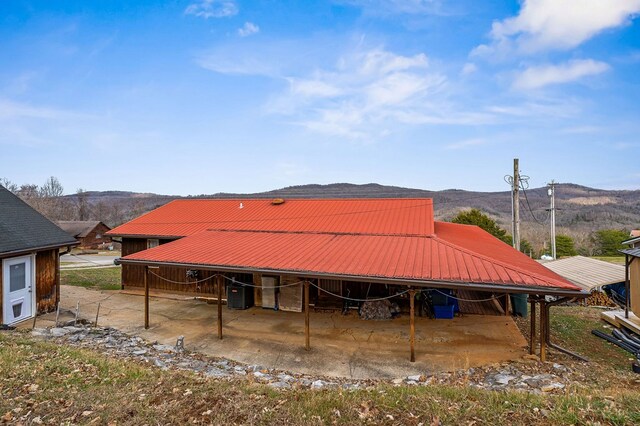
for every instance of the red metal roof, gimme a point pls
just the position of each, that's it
(180, 218)
(381, 256)
(377, 238)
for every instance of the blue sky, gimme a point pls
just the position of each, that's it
(205, 96)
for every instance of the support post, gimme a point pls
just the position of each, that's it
(532, 336)
(412, 324)
(506, 304)
(543, 330)
(219, 280)
(307, 333)
(627, 285)
(146, 297)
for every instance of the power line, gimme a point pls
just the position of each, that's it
(530, 210)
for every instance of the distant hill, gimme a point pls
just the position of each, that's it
(581, 209)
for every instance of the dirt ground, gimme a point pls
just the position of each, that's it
(341, 346)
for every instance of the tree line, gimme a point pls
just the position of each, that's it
(604, 242)
(50, 201)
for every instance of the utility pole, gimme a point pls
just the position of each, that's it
(552, 195)
(515, 188)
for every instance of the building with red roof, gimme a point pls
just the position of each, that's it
(325, 250)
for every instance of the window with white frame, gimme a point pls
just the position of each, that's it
(153, 242)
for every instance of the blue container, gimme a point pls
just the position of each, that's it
(443, 311)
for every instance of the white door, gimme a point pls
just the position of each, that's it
(17, 283)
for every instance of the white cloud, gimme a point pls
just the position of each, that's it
(557, 25)
(408, 7)
(248, 29)
(467, 143)
(540, 76)
(212, 8)
(361, 95)
(469, 68)
(10, 110)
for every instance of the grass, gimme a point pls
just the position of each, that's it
(571, 326)
(94, 278)
(60, 384)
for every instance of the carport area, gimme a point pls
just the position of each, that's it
(341, 346)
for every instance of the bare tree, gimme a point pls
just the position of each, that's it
(9, 185)
(82, 204)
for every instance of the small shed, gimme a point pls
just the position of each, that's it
(90, 233)
(587, 273)
(29, 257)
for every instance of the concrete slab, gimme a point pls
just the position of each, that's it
(341, 346)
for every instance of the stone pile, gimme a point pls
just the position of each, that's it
(528, 376)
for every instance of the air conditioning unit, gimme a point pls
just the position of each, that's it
(239, 296)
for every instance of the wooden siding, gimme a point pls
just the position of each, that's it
(290, 297)
(634, 283)
(47, 280)
(92, 240)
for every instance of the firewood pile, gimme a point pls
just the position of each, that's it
(599, 298)
(379, 310)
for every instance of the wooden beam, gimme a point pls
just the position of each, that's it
(146, 297)
(412, 324)
(543, 330)
(532, 335)
(627, 285)
(219, 279)
(506, 304)
(307, 333)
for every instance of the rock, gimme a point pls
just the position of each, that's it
(318, 384)
(285, 377)
(279, 385)
(72, 329)
(39, 332)
(350, 386)
(159, 364)
(397, 381)
(59, 331)
(216, 372)
(262, 376)
(140, 352)
(551, 387)
(164, 348)
(416, 378)
(503, 379)
(411, 382)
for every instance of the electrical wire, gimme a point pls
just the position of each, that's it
(260, 286)
(358, 300)
(531, 211)
(182, 282)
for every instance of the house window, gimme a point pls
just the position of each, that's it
(153, 242)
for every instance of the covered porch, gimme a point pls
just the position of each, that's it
(341, 345)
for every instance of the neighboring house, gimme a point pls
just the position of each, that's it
(632, 261)
(29, 254)
(356, 248)
(634, 241)
(587, 273)
(90, 233)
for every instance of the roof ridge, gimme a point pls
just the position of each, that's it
(274, 231)
(496, 261)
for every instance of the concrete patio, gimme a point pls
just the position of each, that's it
(341, 346)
